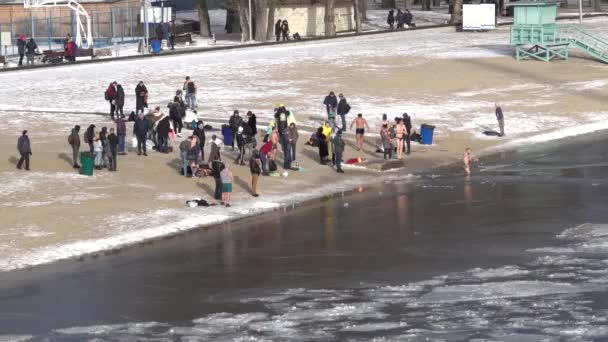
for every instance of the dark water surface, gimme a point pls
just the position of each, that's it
(518, 252)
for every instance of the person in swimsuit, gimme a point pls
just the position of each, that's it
(400, 131)
(468, 160)
(360, 123)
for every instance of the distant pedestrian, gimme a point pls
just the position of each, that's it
(110, 96)
(400, 19)
(468, 160)
(387, 142)
(255, 166)
(338, 150)
(234, 123)
(277, 29)
(21, 48)
(331, 103)
(119, 102)
(71, 51)
(399, 135)
(216, 169)
(173, 33)
(184, 149)
(25, 150)
(113, 150)
(407, 122)
(252, 123)
(500, 118)
(141, 97)
(89, 137)
(74, 141)
(293, 141)
(390, 20)
(343, 109)
(98, 149)
(140, 130)
(159, 33)
(227, 179)
(214, 150)
(121, 133)
(30, 51)
(285, 30)
(190, 89)
(175, 113)
(323, 151)
(360, 124)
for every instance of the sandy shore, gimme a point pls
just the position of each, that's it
(53, 213)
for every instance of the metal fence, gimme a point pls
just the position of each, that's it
(48, 28)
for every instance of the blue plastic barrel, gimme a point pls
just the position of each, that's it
(426, 132)
(155, 46)
(227, 133)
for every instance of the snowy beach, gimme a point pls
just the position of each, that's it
(440, 77)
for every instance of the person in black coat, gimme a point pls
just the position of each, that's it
(199, 132)
(162, 130)
(323, 151)
(285, 30)
(234, 123)
(343, 109)
(216, 168)
(113, 150)
(140, 130)
(141, 96)
(25, 149)
(400, 19)
(252, 123)
(119, 102)
(407, 121)
(21, 48)
(176, 117)
(89, 135)
(390, 20)
(30, 51)
(277, 29)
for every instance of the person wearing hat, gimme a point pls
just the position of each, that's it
(141, 97)
(252, 123)
(25, 149)
(74, 141)
(240, 142)
(338, 144)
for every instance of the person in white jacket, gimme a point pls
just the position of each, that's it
(98, 149)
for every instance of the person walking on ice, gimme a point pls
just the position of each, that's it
(25, 149)
(360, 123)
(500, 118)
(468, 160)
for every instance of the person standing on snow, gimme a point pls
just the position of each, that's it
(140, 130)
(112, 150)
(343, 109)
(500, 118)
(277, 29)
(234, 123)
(89, 136)
(285, 30)
(119, 102)
(252, 123)
(74, 141)
(110, 96)
(407, 121)
(190, 89)
(331, 103)
(30, 51)
(25, 150)
(255, 167)
(338, 150)
(21, 48)
(121, 133)
(390, 20)
(141, 97)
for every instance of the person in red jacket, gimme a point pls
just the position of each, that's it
(110, 96)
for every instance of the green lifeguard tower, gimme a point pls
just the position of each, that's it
(536, 35)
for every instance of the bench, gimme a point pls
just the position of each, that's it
(85, 53)
(183, 39)
(53, 56)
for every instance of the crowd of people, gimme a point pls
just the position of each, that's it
(403, 19)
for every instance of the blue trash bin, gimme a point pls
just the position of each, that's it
(426, 132)
(155, 46)
(227, 133)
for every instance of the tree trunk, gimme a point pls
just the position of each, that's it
(597, 5)
(261, 20)
(457, 13)
(363, 9)
(203, 17)
(358, 28)
(426, 5)
(270, 23)
(244, 19)
(330, 18)
(232, 20)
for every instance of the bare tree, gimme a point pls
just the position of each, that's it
(243, 6)
(363, 9)
(358, 28)
(203, 17)
(457, 12)
(330, 18)
(270, 23)
(261, 20)
(597, 5)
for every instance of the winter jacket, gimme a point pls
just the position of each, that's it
(235, 122)
(330, 102)
(277, 28)
(23, 144)
(407, 121)
(163, 128)
(110, 92)
(499, 115)
(407, 18)
(338, 144)
(214, 152)
(21, 46)
(31, 47)
(74, 139)
(285, 28)
(252, 123)
(97, 146)
(120, 96)
(200, 133)
(174, 112)
(141, 127)
(141, 91)
(294, 135)
(112, 141)
(343, 107)
(121, 127)
(89, 134)
(391, 18)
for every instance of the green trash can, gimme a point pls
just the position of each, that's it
(87, 163)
